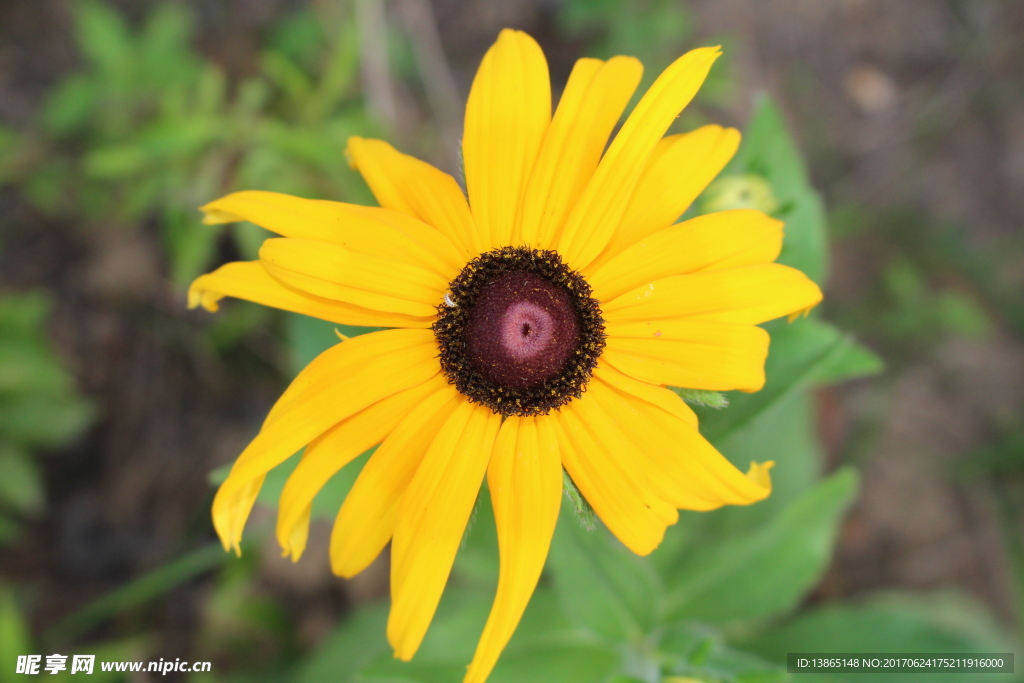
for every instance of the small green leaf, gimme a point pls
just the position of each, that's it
(584, 513)
(70, 105)
(767, 570)
(856, 361)
(21, 486)
(104, 38)
(702, 397)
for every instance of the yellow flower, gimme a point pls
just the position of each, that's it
(537, 325)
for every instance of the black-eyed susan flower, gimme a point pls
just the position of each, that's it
(536, 324)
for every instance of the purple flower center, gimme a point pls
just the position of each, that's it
(522, 330)
(519, 332)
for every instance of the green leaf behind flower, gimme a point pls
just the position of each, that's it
(765, 571)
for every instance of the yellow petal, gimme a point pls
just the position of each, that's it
(599, 210)
(525, 481)
(590, 106)
(716, 241)
(340, 382)
(363, 229)
(680, 168)
(331, 271)
(697, 354)
(746, 296)
(617, 419)
(406, 184)
(366, 520)
(431, 521)
(507, 113)
(334, 449)
(249, 280)
(674, 458)
(620, 494)
(659, 396)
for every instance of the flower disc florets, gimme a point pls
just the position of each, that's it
(519, 331)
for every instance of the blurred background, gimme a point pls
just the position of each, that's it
(119, 118)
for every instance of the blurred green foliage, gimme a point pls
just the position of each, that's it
(40, 408)
(148, 130)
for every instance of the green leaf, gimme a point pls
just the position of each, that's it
(544, 648)
(357, 641)
(9, 530)
(856, 361)
(769, 151)
(556, 663)
(702, 397)
(584, 513)
(139, 591)
(309, 337)
(27, 366)
(941, 623)
(477, 560)
(14, 636)
(802, 353)
(695, 651)
(104, 38)
(767, 570)
(166, 56)
(43, 421)
(601, 584)
(189, 245)
(70, 105)
(21, 486)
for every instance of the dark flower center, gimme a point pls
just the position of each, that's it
(519, 331)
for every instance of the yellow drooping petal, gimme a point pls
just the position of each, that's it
(334, 449)
(675, 459)
(406, 184)
(340, 382)
(525, 481)
(366, 520)
(749, 295)
(507, 114)
(432, 518)
(680, 168)
(591, 104)
(685, 352)
(598, 212)
(619, 493)
(716, 241)
(659, 396)
(249, 280)
(371, 281)
(362, 229)
(615, 422)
